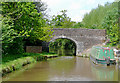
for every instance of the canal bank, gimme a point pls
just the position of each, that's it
(16, 62)
(86, 53)
(65, 68)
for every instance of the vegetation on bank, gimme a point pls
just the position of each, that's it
(95, 18)
(27, 23)
(10, 57)
(14, 62)
(102, 17)
(105, 17)
(63, 47)
(23, 21)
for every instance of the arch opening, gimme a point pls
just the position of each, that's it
(63, 46)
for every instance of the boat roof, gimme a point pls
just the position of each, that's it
(100, 47)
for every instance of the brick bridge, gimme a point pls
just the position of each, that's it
(83, 38)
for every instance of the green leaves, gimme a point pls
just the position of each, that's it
(24, 22)
(110, 23)
(114, 35)
(62, 21)
(8, 34)
(94, 19)
(78, 25)
(63, 44)
(27, 21)
(104, 17)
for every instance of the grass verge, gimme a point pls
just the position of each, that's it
(11, 63)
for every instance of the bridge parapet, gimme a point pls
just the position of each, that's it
(83, 38)
(79, 32)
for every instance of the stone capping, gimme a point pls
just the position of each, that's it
(79, 32)
(76, 28)
(34, 49)
(82, 37)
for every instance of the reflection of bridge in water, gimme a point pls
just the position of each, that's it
(65, 68)
(83, 38)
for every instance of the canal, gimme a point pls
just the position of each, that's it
(65, 68)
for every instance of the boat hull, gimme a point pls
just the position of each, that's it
(98, 61)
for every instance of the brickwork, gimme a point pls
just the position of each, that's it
(34, 49)
(83, 38)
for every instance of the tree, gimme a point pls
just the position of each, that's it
(104, 17)
(26, 21)
(63, 45)
(62, 21)
(78, 25)
(114, 35)
(41, 7)
(8, 34)
(95, 18)
(110, 23)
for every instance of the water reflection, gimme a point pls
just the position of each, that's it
(67, 68)
(63, 52)
(103, 72)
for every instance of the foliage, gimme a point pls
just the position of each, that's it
(110, 19)
(104, 17)
(63, 44)
(8, 34)
(24, 22)
(8, 58)
(41, 7)
(114, 35)
(43, 33)
(94, 19)
(62, 21)
(27, 21)
(15, 62)
(118, 46)
(78, 25)
(110, 23)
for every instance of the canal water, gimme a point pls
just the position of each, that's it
(65, 68)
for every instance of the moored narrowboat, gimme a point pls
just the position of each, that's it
(102, 55)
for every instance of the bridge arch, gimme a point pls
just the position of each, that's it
(69, 38)
(64, 37)
(83, 38)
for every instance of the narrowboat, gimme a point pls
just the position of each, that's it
(102, 55)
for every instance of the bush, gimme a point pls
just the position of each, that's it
(118, 46)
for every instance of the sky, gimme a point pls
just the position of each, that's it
(75, 8)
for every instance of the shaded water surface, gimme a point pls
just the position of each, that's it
(65, 68)
(63, 52)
